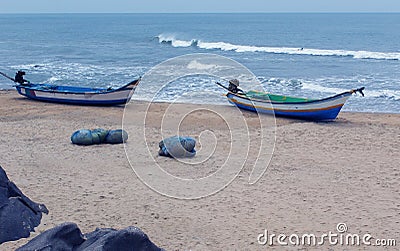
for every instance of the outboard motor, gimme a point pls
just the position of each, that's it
(233, 85)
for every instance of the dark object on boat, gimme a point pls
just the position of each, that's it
(68, 236)
(292, 107)
(19, 78)
(177, 147)
(234, 86)
(99, 136)
(18, 214)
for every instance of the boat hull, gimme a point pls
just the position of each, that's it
(323, 109)
(78, 95)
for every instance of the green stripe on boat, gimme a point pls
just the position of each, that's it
(274, 97)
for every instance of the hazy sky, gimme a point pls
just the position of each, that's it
(165, 6)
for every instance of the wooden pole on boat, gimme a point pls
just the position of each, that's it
(239, 90)
(5, 75)
(223, 86)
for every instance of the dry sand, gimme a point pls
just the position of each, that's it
(320, 174)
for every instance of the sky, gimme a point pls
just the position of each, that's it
(198, 6)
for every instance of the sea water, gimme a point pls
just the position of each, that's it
(307, 55)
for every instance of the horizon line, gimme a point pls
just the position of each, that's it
(233, 12)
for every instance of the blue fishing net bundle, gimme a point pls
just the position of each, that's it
(99, 136)
(177, 147)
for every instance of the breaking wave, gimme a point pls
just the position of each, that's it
(224, 46)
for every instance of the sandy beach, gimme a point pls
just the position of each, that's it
(320, 175)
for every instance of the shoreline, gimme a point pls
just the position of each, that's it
(320, 174)
(9, 91)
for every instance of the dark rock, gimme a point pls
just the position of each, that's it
(18, 214)
(68, 237)
(130, 238)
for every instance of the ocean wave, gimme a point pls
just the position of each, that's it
(323, 89)
(386, 94)
(225, 46)
(320, 88)
(393, 95)
(170, 39)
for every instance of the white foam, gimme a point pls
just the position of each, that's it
(175, 42)
(386, 94)
(53, 80)
(224, 46)
(199, 66)
(319, 88)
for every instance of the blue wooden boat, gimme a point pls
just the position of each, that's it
(78, 95)
(286, 106)
(292, 107)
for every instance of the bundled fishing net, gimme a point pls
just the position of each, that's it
(99, 136)
(177, 147)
